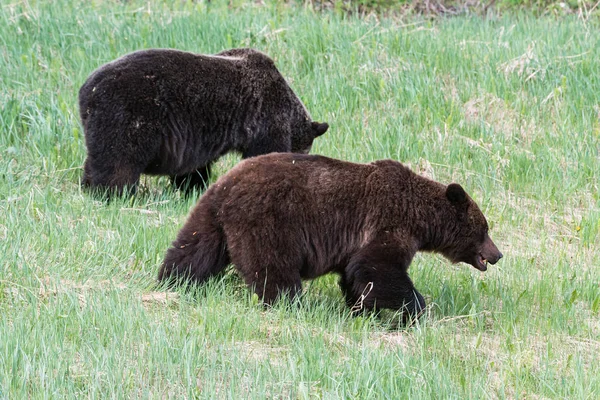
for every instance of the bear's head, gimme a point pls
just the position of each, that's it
(469, 241)
(302, 139)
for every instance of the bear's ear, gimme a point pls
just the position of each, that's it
(319, 128)
(456, 194)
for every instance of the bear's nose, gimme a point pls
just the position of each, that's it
(494, 259)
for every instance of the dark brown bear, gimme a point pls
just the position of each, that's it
(281, 218)
(169, 112)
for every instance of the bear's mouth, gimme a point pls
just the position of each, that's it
(480, 263)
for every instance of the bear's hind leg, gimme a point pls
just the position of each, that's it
(86, 179)
(270, 284)
(267, 258)
(194, 180)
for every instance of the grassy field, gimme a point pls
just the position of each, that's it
(508, 107)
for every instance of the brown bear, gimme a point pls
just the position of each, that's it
(169, 112)
(281, 218)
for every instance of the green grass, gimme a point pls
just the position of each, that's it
(508, 107)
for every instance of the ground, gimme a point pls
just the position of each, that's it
(507, 107)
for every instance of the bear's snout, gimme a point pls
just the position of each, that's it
(489, 251)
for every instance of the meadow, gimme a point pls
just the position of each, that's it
(508, 106)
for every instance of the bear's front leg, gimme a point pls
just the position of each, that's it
(376, 278)
(194, 180)
(107, 179)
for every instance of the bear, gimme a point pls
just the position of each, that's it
(170, 112)
(281, 218)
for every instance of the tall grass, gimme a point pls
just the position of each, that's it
(508, 107)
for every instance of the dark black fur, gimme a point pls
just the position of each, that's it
(281, 218)
(168, 112)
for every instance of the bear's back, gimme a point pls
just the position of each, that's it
(376, 191)
(222, 69)
(209, 89)
(278, 180)
(164, 69)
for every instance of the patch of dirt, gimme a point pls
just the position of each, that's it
(495, 114)
(423, 167)
(395, 340)
(526, 65)
(50, 287)
(557, 229)
(533, 352)
(262, 352)
(161, 298)
(450, 88)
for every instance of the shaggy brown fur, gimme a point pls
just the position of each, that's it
(169, 112)
(281, 218)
